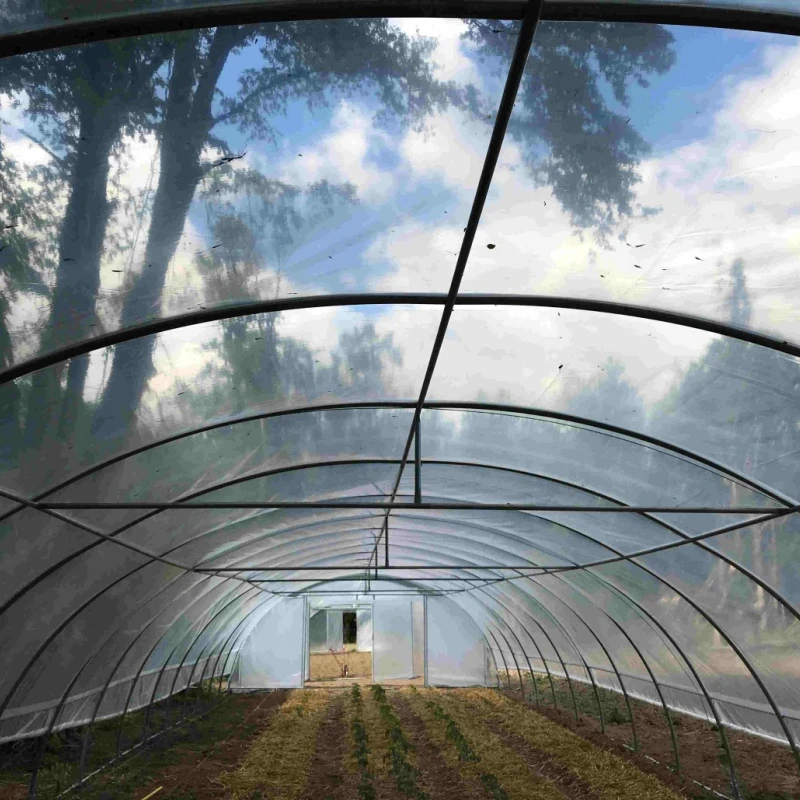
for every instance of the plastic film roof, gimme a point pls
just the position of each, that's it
(494, 309)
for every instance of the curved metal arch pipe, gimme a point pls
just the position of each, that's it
(588, 668)
(168, 20)
(543, 415)
(113, 672)
(479, 407)
(220, 313)
(503, 658)
(561, 660)
(136, 680)
(569, 639)
(644, 661)
(153, 698)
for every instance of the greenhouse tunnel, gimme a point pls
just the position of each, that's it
(480, 314)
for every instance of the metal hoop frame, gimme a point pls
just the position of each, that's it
(530, 12)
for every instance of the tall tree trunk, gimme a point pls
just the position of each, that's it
(110, 84)
(78, 275)
(184, 134)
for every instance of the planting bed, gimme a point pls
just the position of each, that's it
(390, 743)
(765, 770)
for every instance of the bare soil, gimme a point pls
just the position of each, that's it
(329, 778)
(569, 784)
(196, 777)
(438, 778)
(764, 769)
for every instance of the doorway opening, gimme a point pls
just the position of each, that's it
(339, 644)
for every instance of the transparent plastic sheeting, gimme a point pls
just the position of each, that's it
(313, 358)
(456, 649)
(103, 611)
(318, 631)
(297, 214)
(696, 192)
(364, 630)
(272, 655)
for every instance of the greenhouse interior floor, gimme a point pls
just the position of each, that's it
(361, 680)
(407, 742)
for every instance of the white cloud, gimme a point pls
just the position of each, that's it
(729, 195)
(342, 156)
(451, 55)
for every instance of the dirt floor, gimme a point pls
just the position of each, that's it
(364, 742)
(182, 764)
(765, 770)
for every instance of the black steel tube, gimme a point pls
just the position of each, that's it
(557, 652)
(65, 32)
(158, 678)
(177, 505)
(175, 677)
(113, 672)
(502, 657)
(220, 313)
(418, 462)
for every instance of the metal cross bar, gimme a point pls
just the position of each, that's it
(179, 505)
(530, 21)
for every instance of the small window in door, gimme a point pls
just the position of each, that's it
(350, 628)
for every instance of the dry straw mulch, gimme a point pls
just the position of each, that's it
(492, 756)
(278, 764)
(610, 777)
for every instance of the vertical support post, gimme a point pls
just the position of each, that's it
(306, 644)
(425, 640)
(385, 544)
(417, 463)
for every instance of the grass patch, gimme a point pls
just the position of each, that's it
(615, 711)
(60, 763)
(278, 762)
(405, 774)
